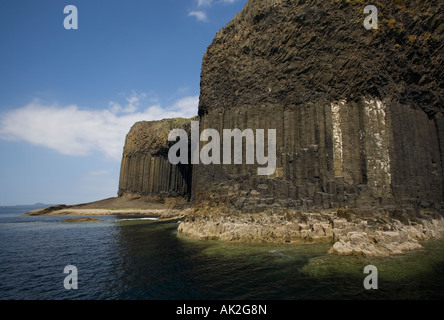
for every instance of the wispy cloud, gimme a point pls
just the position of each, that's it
(71, 130)
(200, 15)
(133, 103)
(209, 3)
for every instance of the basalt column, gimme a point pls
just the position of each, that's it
(357, 112)
(145, 168)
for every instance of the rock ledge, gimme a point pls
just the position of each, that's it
(378, 233)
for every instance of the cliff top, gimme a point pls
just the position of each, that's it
(151, 137)
(305, 51)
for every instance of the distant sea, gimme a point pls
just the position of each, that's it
(126, 258)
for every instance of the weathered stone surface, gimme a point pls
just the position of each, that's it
(145, 168)
(308, 51)
(354, 237)
(359, 120)
(355, 123)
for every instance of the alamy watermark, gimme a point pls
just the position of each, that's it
(371, 21)
(70, 281)
(371, 281)
(211, 152)
(71, 21)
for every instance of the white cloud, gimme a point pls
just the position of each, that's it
(74, 131)
(209, 3)
(133, 103)
(187, 105)
(200, 15)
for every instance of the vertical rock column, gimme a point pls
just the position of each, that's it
(152, 175)
(145, 168)
(376, 131)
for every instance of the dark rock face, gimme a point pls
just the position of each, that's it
(306, 51)
(358, 112)
(145, 168)
(359, 129)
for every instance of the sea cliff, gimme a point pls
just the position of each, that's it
(359, 120)
(359, 129)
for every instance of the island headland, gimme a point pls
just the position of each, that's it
(359, 131)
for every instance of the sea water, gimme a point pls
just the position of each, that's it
(141, 258)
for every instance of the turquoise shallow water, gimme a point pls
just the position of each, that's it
(132, 258)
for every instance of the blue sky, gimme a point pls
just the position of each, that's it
(68, 97)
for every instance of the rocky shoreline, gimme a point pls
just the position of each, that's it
(163, 208)
(368, 232)
(358, 125)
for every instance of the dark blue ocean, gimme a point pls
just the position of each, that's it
(126, 258)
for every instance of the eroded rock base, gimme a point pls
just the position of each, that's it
(369, 232)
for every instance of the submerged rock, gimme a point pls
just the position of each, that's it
(354, 237)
